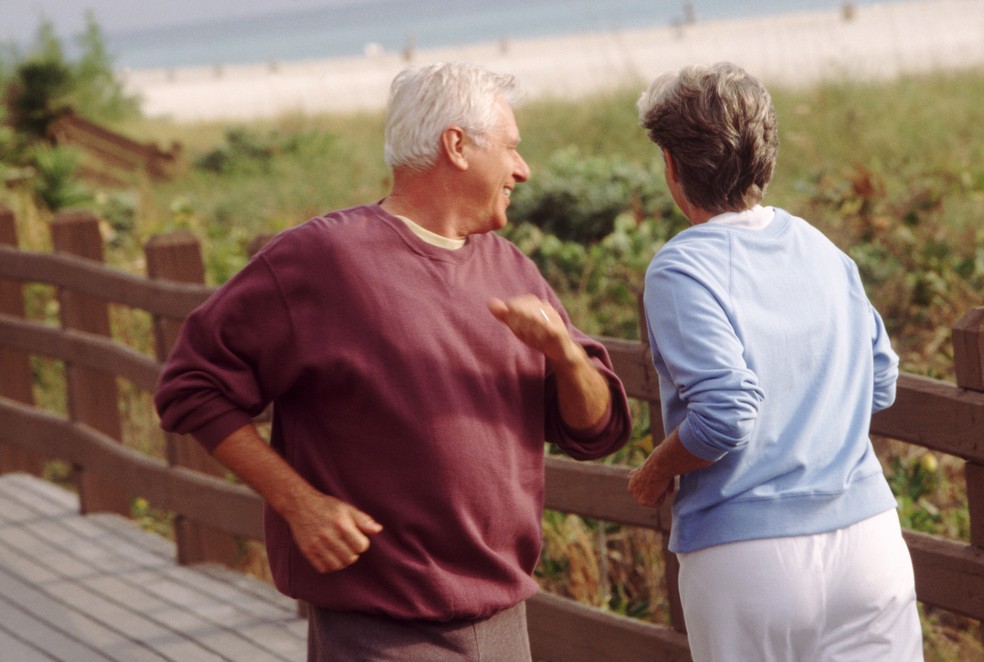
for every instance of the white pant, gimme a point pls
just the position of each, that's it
(843, 595)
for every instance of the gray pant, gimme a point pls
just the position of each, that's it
(335, 636)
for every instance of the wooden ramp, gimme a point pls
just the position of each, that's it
(97, 587)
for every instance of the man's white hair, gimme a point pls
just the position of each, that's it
(424, 101)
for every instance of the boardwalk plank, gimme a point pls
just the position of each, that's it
(15, 512)
(20, 564)
(91, 634)
(169, 644)
(27, 627)
(226, 643)
(251, 619)
(40, 496)
(123, 530)
(96, 588)
(15, 650)
(96, 544)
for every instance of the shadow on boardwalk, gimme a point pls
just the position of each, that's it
(97, 587)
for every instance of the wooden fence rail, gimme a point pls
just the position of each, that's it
(212, 512)
(110, 157)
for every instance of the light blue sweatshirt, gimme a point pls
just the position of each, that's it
(771, 361)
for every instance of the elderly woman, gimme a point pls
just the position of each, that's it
(771, 361)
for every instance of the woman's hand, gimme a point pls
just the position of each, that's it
(649, 486)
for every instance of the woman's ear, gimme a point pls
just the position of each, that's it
(670, 165)
(453, 143)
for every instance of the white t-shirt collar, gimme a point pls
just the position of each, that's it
(756, 218)
(432, 238)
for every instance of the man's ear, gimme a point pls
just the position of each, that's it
(453, 141)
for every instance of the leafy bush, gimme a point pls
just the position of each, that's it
(247, 152)
(119, 210)
(927, 500)
(39, 88)
(244, 152)
(578, 198)
(43, 82)
(55, 184)
(38, 97)
(592, 226)
(922, 269)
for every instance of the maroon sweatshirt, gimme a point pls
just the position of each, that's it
(396, 390)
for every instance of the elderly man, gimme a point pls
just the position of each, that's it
(417, 362)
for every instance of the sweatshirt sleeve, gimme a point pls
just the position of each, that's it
(886, 364)
(610, 434)
(230, 359)
(614, 429)
(694, 337)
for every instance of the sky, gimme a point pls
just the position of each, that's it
(19, 19)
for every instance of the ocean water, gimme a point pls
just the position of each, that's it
(354, 27)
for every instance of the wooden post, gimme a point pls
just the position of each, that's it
(177, 256)
(968, 360)
(93, 397)
(671, 566)
(968, 350)
(16, 380)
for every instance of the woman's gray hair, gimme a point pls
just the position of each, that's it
(424, 101)
(719, 126)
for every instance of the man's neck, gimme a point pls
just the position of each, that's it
(426, 209)
(429, 237)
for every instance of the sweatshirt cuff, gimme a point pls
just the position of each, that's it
(591, 433)
(215, 431)
(695, 446)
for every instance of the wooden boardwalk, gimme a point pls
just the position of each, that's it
(97, 587)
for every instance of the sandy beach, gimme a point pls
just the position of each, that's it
(873, 42)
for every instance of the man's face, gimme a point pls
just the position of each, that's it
(494, 170)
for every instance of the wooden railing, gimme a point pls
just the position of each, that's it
(213, 512)
(112, 158)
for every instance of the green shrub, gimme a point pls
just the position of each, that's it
(38, 96)
(43, 84)
(55, 184)
(578, 198)
(244, 152)
(926, 497)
